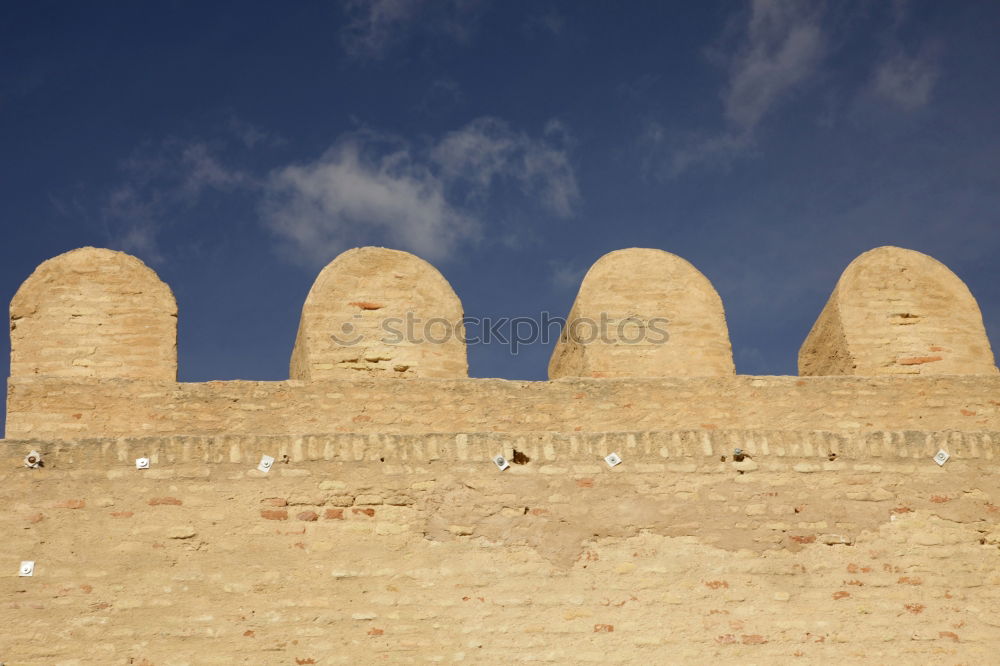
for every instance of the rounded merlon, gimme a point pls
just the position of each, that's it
(376, 312)
(94, 313)
(898, 312)
(644, 312)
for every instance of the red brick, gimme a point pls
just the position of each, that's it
(367, 512)
(122, 514)
(918, 360)
(274, 514)
(308, 516)
(753, 639)
(841, 595)
(603, 628)
(375, 632)
(274, 501)
(334, 514)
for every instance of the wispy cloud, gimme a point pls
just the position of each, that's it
(158, 182)
(781, 47)
(905, 77)
(907, 81)
(544, 23)
(375, 27)
(779, 44)
(487, 151)
(354, 193)
(429, 196)
(377, 188)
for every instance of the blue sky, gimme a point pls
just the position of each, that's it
(236, 147)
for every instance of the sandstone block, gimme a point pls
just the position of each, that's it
(898, 312)
(376, 312)
(94, 313)
(644, 313)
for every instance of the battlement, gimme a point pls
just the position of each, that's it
(93, 352)
(750, 518)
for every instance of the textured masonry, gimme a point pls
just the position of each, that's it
(898, 312)
(644, 313)
(380, 313)
(384, 533)
(97, 314)
(822, 548)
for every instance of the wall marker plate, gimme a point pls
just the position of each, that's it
(501, 462)
(265, 464)
(941, 457)
(612, 459)
(27, 568)
(142, 463)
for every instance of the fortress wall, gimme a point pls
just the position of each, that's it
(58, 408)
(415, 548)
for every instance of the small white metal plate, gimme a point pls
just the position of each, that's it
(501, 462)
(612, 459)
(941, 457)
(33, 460)
(27, 568)
(142, 463)
(265, 463)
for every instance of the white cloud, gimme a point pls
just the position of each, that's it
(375, 26)
(907, 81)
(779, 45)
(369, 188)
(347, 197)
(487, 150)
(782, 46)
(430, 197)
(158, 184)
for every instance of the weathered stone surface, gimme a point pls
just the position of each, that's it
(423, 552)
(94, 313)
(379, 312)
(67, 408)
(896, 311)
(644, 313)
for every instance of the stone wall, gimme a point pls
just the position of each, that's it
(56, 408)
(751, 520)
(822, 547)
